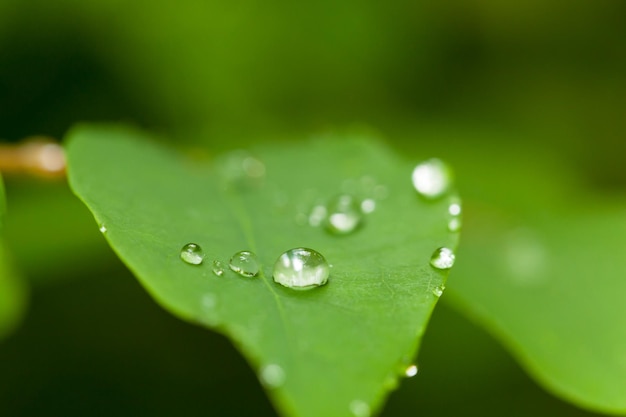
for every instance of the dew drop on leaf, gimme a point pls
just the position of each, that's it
(218, 268)
(360, 408)
(344, 214)
(442, 258)
(410, 371)
(245, 263)
(368, 206)
(103, 229)
(192, 254)
(438, 290)
(317, 216)
(454, 209)
(301, 269)
(454, 224)
(432, 178)
(272, 375)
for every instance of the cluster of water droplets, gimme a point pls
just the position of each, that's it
(343, 213)
(297, 268)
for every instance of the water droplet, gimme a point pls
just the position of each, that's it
(301, 269)
(244, 263)
(432, 178)
(454, 209)
(192, 254)
(438, 290)
(272, 375)
(411, 371)
(240, 167)
(218, 268)
(368, 205)
(443, 258)
(317, 216)
(454, 225)
(103, 229)
(344, 214)
(360, 408)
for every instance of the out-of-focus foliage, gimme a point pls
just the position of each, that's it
(441, 78)
(12, 289)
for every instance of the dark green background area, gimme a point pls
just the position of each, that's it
(543, 76)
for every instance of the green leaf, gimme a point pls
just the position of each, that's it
(341, 347)
(12, 289)
(542, 267)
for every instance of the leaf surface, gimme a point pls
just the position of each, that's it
(331, 351)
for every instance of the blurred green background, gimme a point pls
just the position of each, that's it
(539, 77)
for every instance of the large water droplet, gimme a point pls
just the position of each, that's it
(360, 408)
(245, 263)
(301, 269)
(442, 258)
(410, 371)
(218, 268)
(272, 375)
(192, 254)
(344, 214)
(103, 229)
(432, 178)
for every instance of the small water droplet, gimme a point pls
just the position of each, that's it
(245, 263)
(240, 168)
(317, 216)
(454, 209)
(272, 375)
(103, 229)
(192, 254)
(442, 258)
(454, 225)
(438, 290)
(218, 268)
(301, 269)
(411, 371)
(368, 206)
(432, 178)
(344, 214)
(360, 409)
